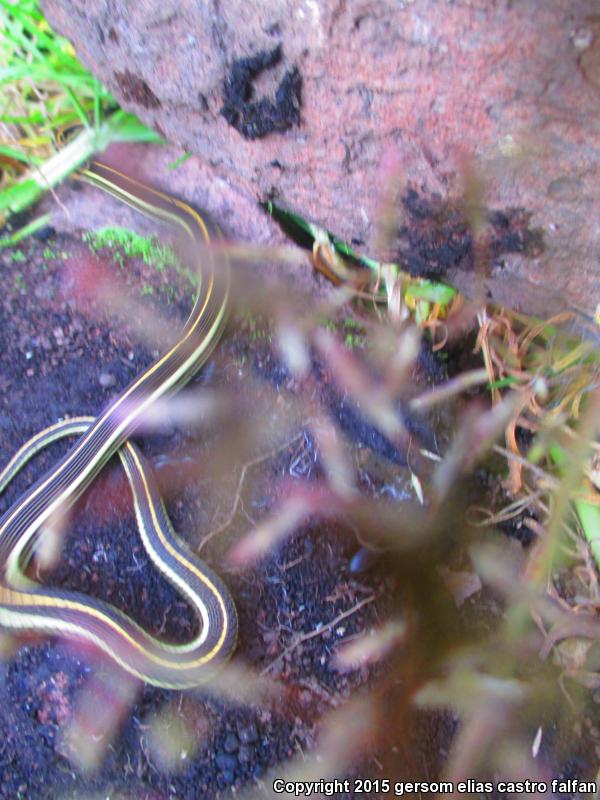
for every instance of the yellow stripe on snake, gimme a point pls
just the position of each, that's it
(29, 606)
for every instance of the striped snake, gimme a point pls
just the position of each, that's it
(29, 606)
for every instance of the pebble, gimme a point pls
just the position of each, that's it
(225, 779)
(45, 291)
(231, 743)
(309, 547)
(107, 379)
(226, 762)
(245, 754)
(45, 233)
(248, 734)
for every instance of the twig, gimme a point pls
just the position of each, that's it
(552, 482)
(447, 390)
(303, 637)
(238, 494)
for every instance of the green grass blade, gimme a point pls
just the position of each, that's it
(18, 155)
(26, 230)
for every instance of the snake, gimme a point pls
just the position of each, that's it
(27, 605)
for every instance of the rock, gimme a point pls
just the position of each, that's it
(246, 753)
(226, 762)
(231, 743)
(225, 778)
(331, 107)
(107, 380)
(248, 733)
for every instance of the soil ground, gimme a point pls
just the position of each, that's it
(61, 355)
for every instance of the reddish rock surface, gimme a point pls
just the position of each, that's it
(327, 106)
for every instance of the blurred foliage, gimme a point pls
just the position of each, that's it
(532, 382)
(46, 92)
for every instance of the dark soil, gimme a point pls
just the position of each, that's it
(256, 118)
(60, 355)
(439, 236)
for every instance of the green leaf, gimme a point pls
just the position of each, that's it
(16, 198)
(125, 127)
(18, 155)
(589, 517)
(26, 230)
(179, 161)
(502, 383)
(433, 292)
(588, 513)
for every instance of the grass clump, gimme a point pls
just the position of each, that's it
(47, 91)
(125, 243)
(45, 87)
(129, 244)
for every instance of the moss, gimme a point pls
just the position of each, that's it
(131, 245)
(257, 326)
(17, 256)
(354, 340)
(349, 329)
(126, 243)
(50, 255)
